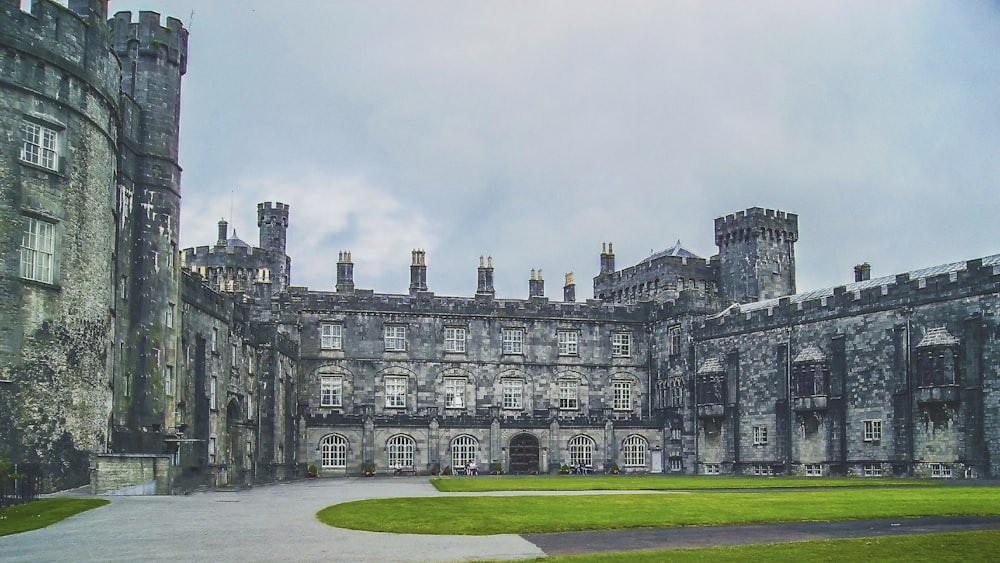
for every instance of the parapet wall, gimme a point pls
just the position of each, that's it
(755, 221)
(947, 282)
(148, 37)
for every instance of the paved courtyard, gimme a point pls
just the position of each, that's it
(277, 523)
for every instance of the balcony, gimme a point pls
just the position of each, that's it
(812, 403)
(937, 394)
(711, 410)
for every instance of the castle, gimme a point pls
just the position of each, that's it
(140, 368)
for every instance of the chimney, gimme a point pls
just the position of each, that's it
(569, 289)
(418, 271)
(485, 277)
(536, 285)
(607, 258)
(862, 272)
(223, 233)
(345, 272)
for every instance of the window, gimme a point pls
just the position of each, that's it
(568, 342)
(123, 287)
(234, 354)
(400, 449)
(676, 433)
(674, 340)
(676, 465)
(454, 339)
(871, 470)
(759, 435)
(621, 344)
(38, 248)
(463, 450)
(873, 430)
(713, 469)
(331, 336)
(213, 385)
(810, 379)
(581, 451)
(761, 470)
(41, 145)
(568, 394)
(168, 380)
(211, 449)
(250, 413)
(333, 449)
(395, 392)
(454, 393)
(711, 388)
(331, 391)
(513, 340)
(676, 392)
(623, 395)
(634, 451)
(512, 391)
(940, 471)
(395, 338)
(814, 470)
(215, 339)
(169, 320)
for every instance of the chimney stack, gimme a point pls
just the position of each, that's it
(345, 272)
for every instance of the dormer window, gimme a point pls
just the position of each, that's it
(937, 358)
(811, 372)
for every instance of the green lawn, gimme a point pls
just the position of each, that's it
(481, 515)
(951, 547)
(653, 483)
(42, 513)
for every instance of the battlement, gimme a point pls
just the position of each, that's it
(425, 303)
(268, 213)
(758, 217)
(150, 38)
(944, 282)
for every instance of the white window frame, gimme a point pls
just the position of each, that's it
(168, 381)
(569, 342)
(454, 392)
(213, 392)
(760, 435)
(513, 393)
(581, 451)
(333, 452)
(676, 387)
(40, 145)
(331, 336)
(513, 341)
(713, 469)
(676, 465)
(394, 337)
(674, 340)
(872, 469)
(813, 470)
(569, 394)
(395, 391)
(464, 449)
(761, 470)
(634, 451)
(454, 339)
(621, 344)
(212, 449)
(622, 395)
(399, 450)
(38, 250)
(169, 316)
(873, 430)
(940, 471)
(331, 391)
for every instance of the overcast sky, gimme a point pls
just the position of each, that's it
(533, 131)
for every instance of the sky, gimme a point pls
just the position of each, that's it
(535, 131)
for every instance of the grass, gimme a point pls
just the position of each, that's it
(937, 548)
(561, 513)
(42, 513)
(653, 483)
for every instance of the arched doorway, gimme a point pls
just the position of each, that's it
(233, 434)
(523, 454)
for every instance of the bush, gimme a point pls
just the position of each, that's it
(312, 470)
(446, 470)
(368, 469)
(496, 468)
(614, 469)
(564, 470)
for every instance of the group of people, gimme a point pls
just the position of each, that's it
(472, 468)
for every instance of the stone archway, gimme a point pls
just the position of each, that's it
(523, 454)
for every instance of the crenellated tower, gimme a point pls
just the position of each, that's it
(153, 58)
(272, 222)
(756, 254)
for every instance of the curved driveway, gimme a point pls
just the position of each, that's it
(277, 523)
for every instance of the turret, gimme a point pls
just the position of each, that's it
(272, 223)
(756, 254)
(345, 272)
(418, 271)
(485, 277)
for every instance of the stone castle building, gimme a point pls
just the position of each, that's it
(141, 368)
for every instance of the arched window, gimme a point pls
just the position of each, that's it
(400, 449)
(334, 451)
(634, 451)
(581, 451)
(463, 450)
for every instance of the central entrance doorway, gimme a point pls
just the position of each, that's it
(524, 454)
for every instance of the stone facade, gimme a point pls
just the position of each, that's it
(145, 369)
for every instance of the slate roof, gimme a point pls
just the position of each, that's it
(676, 250)
(938, 336)
(810, 354)
(712, 365)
